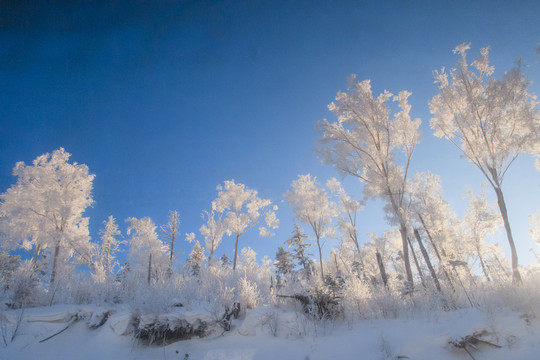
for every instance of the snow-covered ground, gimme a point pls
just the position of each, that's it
(274, 333)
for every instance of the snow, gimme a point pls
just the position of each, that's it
(270, 332)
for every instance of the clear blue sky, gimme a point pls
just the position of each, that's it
(165, 100)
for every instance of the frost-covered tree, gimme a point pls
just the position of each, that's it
(369, 144)
(8, 264)
(534, 231)
(212, 231)
(44, 210)
(248, 260)
(379, 253)
(299, 247)
(224, 260)
(348, 209)
(147, 253)
(490, 121)
(434, 218)
(242, 209)
(283, 263)
(311, 205)
(480, 222)
(171, 231)
(196, 258)
(106, 251)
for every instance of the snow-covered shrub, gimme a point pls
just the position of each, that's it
(248, 293)
(24, 286)
(524, 298)
(355, 302)
(158, 297)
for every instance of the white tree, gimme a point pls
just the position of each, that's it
(299, 248)
(534, 231)
(435, 217)
(348, 210)
(106, 251)
(367, 144)
(490, 121)
(171, 230)
(242, 209)
(379, 252)
(146, 251)
(196, 258)
(283, 263)
(44, 209)
(212, 231)
(480, 222)
(311, 205)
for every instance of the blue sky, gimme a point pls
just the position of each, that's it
(164, 101)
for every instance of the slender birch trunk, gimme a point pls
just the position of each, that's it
(235, 251)
(381, 269)
(516, 276)
(422, 280)
(428, 261)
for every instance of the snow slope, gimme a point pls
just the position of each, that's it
(276, 333)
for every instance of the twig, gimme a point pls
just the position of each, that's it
(73, 319)
(18, 323)
(468, 352)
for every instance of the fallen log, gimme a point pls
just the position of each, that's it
(320, 304)
(472, 341)
(166, 333)
(225, 321)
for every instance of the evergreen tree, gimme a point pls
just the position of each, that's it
(196, 258)
(312, 206)
(225, 260)
(299, 248)
(283, 263)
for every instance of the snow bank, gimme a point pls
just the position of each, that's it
(268, 333)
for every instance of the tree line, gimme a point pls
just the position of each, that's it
(490, 121)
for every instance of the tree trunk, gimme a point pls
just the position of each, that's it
(235, 251)
(107, 259)
(381, 269)
(428, 261)
(417, 265)
(429, 237)
(211, 253)
(36, 257)
(516, 276)
(403, 231)
(149, 267)
(173, 235)
(320, 257)
(336, 263)
(501, 266)
(446, 274)
(482, 264)
(55, 262)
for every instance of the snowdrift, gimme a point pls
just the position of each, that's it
(68, 332)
